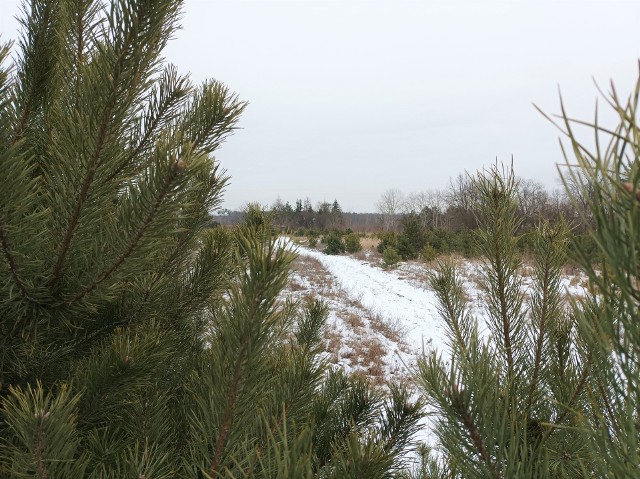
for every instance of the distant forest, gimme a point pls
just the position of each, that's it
(450, 208)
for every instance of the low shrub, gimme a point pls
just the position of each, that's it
(352, 243)
(387, 239)
(334, 243)
(428, 253)
(390, 257)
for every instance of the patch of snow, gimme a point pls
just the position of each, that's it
(409, 308)
(400, 298)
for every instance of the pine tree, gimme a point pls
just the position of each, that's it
(551, 391)
(604, 185)
(134, 340)
(511, 393)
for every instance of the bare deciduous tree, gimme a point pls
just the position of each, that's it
(390, 206)
(429, 204)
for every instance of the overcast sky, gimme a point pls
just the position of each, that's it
(350, 98)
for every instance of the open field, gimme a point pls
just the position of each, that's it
(381, 321)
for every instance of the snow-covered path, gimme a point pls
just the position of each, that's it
(407, 307)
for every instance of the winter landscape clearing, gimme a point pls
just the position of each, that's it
(381, 321)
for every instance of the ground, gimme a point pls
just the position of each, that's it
(382, 320)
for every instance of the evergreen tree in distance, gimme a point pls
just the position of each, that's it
(134, 340)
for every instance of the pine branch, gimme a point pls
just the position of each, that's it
(607, 404)
(262, 280)
(504, 312)
(540, 339)
(34, 88)
(232, 396)
(177, 92)
(451, 307)
(295, 394)
(82, 196)
(576, 394)
(86, 184)
(103, 129)
(459, 405)
(79, 31)
(6, 249)
(248, 472)
(176, 168)
(495, 211)
(79, 45)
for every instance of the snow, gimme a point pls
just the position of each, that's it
(410, 308)
(399, 298)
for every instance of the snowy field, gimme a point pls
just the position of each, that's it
(390, 297)
(381, 321)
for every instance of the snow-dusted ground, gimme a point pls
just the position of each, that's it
(364, 299)
(381, 321)
(387, 294)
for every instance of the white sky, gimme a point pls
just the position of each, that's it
(350, 98)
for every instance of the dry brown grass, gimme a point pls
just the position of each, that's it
(389, 331)
(353, 320)
(295, 286)
(359, 338)
(369, 243)
(313, 270)
(368, 357)
(333, 344)
(372, 350)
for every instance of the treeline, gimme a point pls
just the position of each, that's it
(452, 208)
(429, 223)
(424, 225)
(449, 208)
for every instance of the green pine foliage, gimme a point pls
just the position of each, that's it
(413, 237)
(390, 257)
(334, 242)
(387, 239)
(508, 398)
(609, 179)
(135, 340)
(548, 390)
(428, 253)
(312, 241)
(352, 243)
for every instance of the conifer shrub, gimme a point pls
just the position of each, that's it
(413, 237)
(428, 253)
(352, 243)
(390, 257)
(553, 390)
(511, 402)
(405, 248)
(387, 238)
(443, 241)
(608, 179)
(334, 243)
